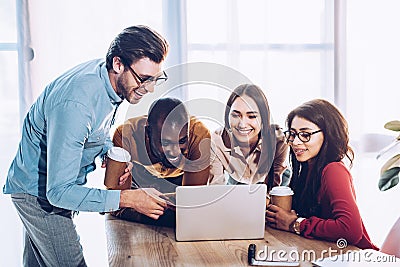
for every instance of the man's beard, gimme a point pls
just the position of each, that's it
(123, 92)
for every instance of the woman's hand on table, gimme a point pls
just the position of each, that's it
(279, 218)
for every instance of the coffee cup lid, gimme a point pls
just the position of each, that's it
(119, 154)
(281, 191)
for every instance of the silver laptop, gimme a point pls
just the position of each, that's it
(220, 212)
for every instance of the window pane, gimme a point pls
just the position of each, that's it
(64, 39)
(11, 231)
(283, 21)
(284, 75)
(9, 82)
(9, 109)
(207, 102)
(220, 57)
(207, 21)
(253, 21)
(8, 32)
(285, 46)
(293, 21)
(373, 65)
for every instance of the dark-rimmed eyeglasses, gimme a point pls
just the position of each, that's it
(151, 81)
(303, 136)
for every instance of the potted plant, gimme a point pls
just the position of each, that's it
(389, 176)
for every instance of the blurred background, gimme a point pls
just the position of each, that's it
(296, 50)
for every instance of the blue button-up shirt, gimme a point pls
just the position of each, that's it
(64, 131)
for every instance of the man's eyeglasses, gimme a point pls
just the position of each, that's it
(151, 81)
(303, 136)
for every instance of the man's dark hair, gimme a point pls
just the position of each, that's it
(135, 43)
(164, 108)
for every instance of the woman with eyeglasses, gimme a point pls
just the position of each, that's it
(249, 149)
(324, 202)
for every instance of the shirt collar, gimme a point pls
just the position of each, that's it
(114, 98)
(236, 148)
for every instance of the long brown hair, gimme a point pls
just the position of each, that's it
(306, 183)
(267, 133)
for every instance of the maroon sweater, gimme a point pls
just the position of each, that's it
(340, 215)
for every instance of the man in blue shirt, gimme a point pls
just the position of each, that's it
(64, 131)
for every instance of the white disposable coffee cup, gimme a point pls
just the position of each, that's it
(117, 157)
(281, 196)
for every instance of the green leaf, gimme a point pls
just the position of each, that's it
(389, 179)
(393, 125)
(391, 163)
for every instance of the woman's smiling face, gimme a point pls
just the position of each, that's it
(306, 151)
(245, 120)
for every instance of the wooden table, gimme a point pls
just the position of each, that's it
(134, 244)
